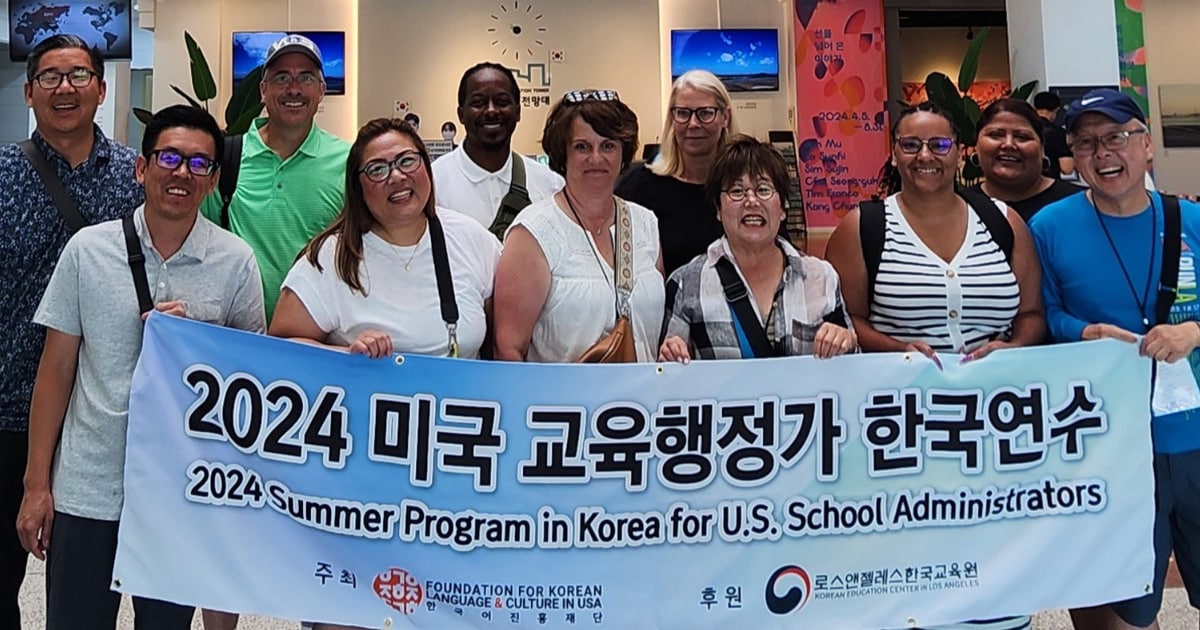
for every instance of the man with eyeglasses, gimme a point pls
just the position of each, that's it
(64, 87)
(483, 177)
(291, 173)
(1102, 256)
(90, 311)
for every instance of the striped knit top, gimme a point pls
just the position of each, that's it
(954, 306)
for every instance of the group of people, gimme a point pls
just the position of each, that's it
(363, 246)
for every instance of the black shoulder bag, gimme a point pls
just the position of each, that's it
(137, 265)
(445, 283)
(739, 302)
(1168, 280)
(516, 200)
(58, 194)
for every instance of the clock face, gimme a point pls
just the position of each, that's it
(517, 30)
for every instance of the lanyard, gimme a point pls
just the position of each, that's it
(1145, 298)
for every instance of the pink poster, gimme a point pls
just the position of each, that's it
(840, 95)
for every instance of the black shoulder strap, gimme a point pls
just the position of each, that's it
(58, 194)
(137, 264)
(514, 201)
(445, 283)
(872, 230)
(1169, 279)
(739, 300)
(993, 218)
(231, 163)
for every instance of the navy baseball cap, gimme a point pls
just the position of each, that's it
(294, 43)
(1112, 103)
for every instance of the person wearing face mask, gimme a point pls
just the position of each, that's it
(792, 304)
(449, 131)
(290, 174)
(699, 119)
(1103, 255)
(484, 178)
(1011, 151)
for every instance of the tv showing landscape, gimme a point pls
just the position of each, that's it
(105, 24)
(745, 59)
(250, 51)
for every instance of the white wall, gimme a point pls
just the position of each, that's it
(1170, 27)
(212, 22)
(1063, 42)
(755, 114)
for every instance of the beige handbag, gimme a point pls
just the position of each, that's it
(617, 346)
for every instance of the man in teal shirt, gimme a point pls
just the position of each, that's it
(292, 174)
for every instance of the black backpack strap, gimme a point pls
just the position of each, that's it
(445, 283)
(739, 301)
(872, 231)
(58, 194)
(137, 264)
(1169, 278)
(231, 163)
(514, 201)
(994, 218)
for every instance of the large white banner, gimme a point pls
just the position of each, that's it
(868, 491)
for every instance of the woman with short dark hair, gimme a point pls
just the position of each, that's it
(792, 303)
(557, 286)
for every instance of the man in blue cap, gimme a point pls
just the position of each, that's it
(1102, 257)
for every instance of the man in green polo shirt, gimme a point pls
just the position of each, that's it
(292, 174)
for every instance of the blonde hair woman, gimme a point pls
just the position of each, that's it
(699, 120)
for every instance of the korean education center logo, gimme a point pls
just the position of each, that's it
(798, 588)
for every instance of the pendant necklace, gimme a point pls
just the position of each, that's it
(1144, 300)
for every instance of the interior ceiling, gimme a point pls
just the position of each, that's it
(946, 19)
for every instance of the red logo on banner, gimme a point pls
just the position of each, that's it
(399, 589)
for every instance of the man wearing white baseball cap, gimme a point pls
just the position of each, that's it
(290, 174)
(1111, 262)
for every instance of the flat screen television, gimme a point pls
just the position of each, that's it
(745, 59)
(250, 51)
(105, 24)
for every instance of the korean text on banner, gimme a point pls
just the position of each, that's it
(863, 491)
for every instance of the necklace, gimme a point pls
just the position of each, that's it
(412, 256)
(1144, 300)
(600, 229)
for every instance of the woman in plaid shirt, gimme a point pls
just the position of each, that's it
(793, 303)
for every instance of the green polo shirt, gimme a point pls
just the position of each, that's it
(280, 204)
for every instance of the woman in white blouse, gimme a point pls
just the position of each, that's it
(555, 284)
(368, 282)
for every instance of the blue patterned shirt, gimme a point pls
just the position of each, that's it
(32, 235)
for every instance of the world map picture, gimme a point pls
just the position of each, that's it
(102, 23)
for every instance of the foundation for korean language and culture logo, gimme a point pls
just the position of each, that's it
(799, 589)
(399, 589)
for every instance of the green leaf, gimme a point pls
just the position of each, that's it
(245, 97)
(970, 62)
(971, 109)
(1023, 93)
(143, 115)
(242, 124)
(189, 98)
(203, 84)
(940, 90)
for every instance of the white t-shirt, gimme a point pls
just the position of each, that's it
(461, 184)
(580, 307)
(401, 290)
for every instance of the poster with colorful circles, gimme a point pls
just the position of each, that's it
(1131, 44)
(841, 127)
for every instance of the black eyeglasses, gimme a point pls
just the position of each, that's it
(912, 145)
(579, 96)
(51, 79)
(379, 170)
(705, 115)
(170, 159)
